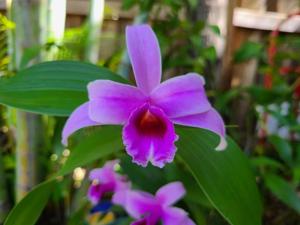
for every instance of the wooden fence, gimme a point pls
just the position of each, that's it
(253, 20)
(239, 21)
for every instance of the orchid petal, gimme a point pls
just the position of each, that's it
(170, 193)
(78, 119)
(105, 179)
(105, 174)
(210, 120)
(136, 203)
(181, 96)
(149, 136)
(176, 216)
(112, 102)
(144, 53)
(120, 197)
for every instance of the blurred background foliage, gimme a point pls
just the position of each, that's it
(269, 133)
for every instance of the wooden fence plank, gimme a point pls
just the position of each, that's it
(247, 18)
(288, 7)
(257, 5)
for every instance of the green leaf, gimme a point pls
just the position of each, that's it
(193, 3)
(215, 29)
(54, 88)
(266, 162)
(210, 53)
(225, 177)
(128, 4)
(5, 23)
(283, 148)
(263, 96)
(29, 54)
(140, 176)
(248, 51)
(105, 141)
(77, 218)
(31, 206)
(284, 120)
(194, 194)
(283, 191)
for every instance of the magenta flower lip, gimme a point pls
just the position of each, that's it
(149, 111)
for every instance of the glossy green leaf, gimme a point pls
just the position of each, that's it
(248, 50)
(31, 206)
(30, 54)
(283, 190)
(194, 194)
(210, 53)
(215, 29)
(263, 161)
(140, 176)
(78, 217)
(283, 148)
(263, 96)
(128, 4)
(225, 177)
(171, 172)
(193, 3)
(54, 88)
(105, 141)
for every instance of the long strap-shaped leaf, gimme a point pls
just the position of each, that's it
(225, 177)
(53, 88)
(31, 206)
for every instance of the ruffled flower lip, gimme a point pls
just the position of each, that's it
(150, 136)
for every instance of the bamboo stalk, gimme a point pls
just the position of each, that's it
(95, 21)
(29, 136)
(29, 128)
(55, 24)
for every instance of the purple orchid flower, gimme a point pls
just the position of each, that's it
(150, 210)
(150, 110)
(106, 180)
